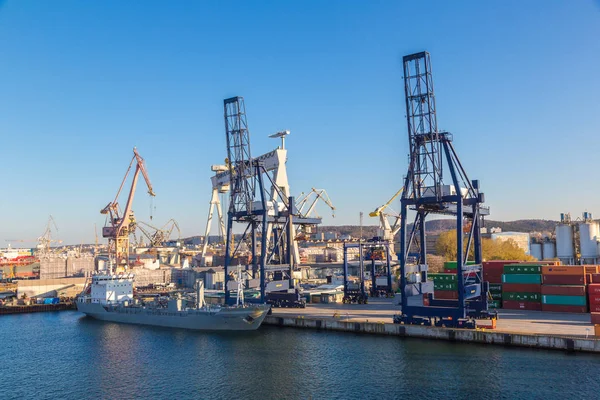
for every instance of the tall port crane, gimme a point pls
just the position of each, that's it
(268, 219)
(424, 193)
(121, 225)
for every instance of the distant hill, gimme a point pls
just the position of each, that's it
(440, 225)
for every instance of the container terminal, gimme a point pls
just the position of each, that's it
(385, 284)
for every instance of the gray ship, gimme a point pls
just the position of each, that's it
(110, 298)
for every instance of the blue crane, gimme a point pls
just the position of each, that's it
(425, 193)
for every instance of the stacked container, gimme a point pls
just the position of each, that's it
(564, 288)
(445, 286)
(522, 286)
(492, 273)
(594, 297)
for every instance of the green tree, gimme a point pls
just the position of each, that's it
(491, 249)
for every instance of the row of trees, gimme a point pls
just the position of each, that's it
(491, 249)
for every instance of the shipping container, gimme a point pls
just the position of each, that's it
(521, 278)
(521, 305)
(595, 317)
(564, 290)
(594, 288)
(496, 296)
(495, 304)
(594, 299)
(521, 296)
(595, 308)
(442, 277)
(520, 287)
(563, 279)
(564, 300)
(563, 308)
(564, 270)
(445, 286)
(522, 269)
(445, 294)
(495, 287)
(452, 264)
(595, 278)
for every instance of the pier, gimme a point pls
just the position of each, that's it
(544, 330)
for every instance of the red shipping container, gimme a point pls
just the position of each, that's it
(567, 309)
(492, 277)
(595, 318)
(594, 299)
(522, 287)
(563, 279)
(595, 278)
(594, 288)
(564, 290)
(521, 305)
(595, 308)
(445, 295)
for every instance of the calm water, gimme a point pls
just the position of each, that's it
(64, 355)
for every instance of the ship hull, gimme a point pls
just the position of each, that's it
(227, 319)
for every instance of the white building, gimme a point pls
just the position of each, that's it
(520, 238)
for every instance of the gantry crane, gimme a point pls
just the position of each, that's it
(121, 225)
(425, 193)
(269, 218)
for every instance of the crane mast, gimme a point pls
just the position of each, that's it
(121, 225)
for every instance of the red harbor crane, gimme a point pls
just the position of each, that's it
(121, 225)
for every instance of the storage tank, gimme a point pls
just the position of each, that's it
(536, 250)
(549, 250)
(564, 243)
(588, 240)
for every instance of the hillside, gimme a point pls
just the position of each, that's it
(440, 225)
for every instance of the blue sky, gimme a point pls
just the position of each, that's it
(85, 81)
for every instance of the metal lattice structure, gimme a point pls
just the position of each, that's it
(431, 154)
(269, 216)
(239, 156)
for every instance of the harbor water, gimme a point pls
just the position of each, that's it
(64, 355)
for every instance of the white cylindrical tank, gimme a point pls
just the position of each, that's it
(101, 265)
(564, 241)
(549, 250)
(588, 239)
(535, 249)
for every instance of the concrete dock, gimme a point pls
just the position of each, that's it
(562, 331)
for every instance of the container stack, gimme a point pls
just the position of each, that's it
(594, 297)
(492, 273)
(522, 286)
(564, 288)
(445, 286)
(496, 293)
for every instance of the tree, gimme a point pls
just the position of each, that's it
(491, 249)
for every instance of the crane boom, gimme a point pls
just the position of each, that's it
(121, 225)
(378, 210)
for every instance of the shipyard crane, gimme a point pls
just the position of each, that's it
(121, 225)
(316, 195)
(389, 230)
(157, 237)
(425, 193)
(45, 241)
